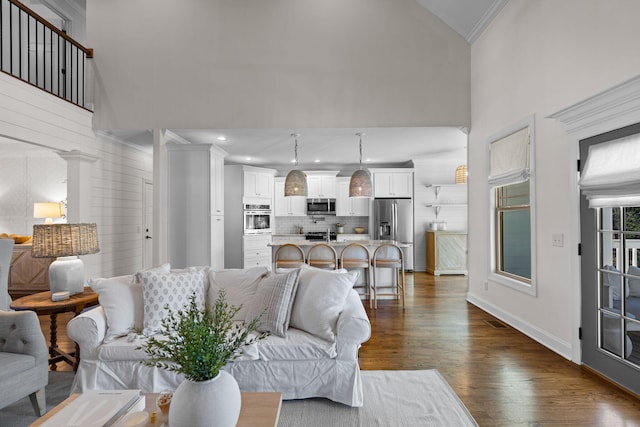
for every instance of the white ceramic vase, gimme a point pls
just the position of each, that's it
(212, 403)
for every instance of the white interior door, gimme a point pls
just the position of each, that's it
(147, 224)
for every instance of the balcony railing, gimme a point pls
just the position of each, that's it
(37, 52)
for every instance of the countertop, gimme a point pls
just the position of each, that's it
(372, 243)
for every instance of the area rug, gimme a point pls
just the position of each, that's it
(391, 398)
(21, 414)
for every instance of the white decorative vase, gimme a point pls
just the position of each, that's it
(211, 403)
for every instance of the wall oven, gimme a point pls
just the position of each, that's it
(257, 218)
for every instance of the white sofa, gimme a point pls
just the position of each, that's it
(317, 357)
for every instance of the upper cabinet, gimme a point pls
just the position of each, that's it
(393, 183)
(258, 184)
(349, 206)
(321, 184)
(287, 206)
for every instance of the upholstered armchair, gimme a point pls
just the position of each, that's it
(23, 350)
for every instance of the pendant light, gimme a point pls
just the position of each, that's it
(296, 182)
(461, 174)
(360, 184)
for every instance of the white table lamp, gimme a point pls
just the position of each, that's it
(48, 210)
(65, 242)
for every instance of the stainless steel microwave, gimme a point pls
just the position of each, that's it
(321, 206)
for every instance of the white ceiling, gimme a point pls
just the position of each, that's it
(338, 148)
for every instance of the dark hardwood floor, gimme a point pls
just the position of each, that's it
(503, 377)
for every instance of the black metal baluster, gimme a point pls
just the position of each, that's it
(1, 38)
(11, 38)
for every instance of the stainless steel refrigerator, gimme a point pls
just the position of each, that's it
(393, 220)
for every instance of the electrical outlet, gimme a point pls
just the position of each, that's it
(486, 286)
(557, 239)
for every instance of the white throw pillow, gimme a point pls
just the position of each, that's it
(169, 291)
(239, 285)
(121, 299)
(320, 299)
(633, 283)
(273, 301)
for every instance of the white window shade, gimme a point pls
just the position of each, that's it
(611, 175)
(509, 159)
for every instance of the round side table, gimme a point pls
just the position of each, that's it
(41, 303)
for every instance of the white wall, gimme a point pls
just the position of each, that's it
(28, 175)
(536, 58)
(31, 116)
(275, 64)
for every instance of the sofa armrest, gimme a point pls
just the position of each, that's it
(20, 333)
(88, 330)
(353, 327)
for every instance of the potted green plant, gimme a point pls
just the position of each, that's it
(197, 343)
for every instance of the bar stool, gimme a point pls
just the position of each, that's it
(388, 255)
(357, 256)
(322, 255)
(289, 256)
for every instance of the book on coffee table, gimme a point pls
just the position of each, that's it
(95, 408)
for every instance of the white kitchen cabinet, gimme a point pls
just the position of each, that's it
(217, 249)
(393, 184)
(193, 193)
(287, 206)
(258, 184)
(217, 196)
(349, 206)
(352, 237)
(256, 250)
(321, 184)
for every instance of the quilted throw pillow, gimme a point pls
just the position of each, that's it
(320, 299)
(273, 300)
(169, 291)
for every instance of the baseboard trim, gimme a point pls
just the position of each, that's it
(563, 348)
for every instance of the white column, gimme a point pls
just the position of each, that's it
(160, 202)
(79, 166)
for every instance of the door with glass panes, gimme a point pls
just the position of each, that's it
(610, 267)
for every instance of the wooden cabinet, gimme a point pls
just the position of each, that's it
(27, 275)
(258, 184)
(193, 194)
(393, 184)
(256, 251)
(349, 206)
(446, 252)
(287, 206)
(321, 184)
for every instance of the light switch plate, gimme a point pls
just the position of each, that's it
(557, 239)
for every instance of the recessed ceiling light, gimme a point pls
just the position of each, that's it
(293, 160)
(367, 160)
(316, 161)
(222, 138)
(248, 159)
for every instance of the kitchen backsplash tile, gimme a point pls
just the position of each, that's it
(290, 225)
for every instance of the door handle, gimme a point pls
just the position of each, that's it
(147, 237)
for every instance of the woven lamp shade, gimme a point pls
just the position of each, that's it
(461, 174)
(296, 184)
(61, 240)
(360, 184)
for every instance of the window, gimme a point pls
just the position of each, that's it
(511, 183)
(513, 231)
